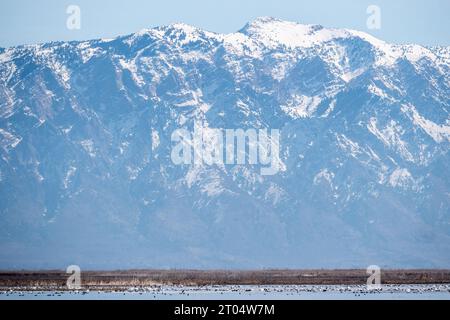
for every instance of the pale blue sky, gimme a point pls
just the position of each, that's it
(425, 22)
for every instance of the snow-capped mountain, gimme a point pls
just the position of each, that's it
(86, 175)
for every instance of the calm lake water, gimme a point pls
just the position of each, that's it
(332, 292)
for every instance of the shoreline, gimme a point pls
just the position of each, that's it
(36, 280)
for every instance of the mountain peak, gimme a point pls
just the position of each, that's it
(181, 26)
(264, 20)
(273, 32)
